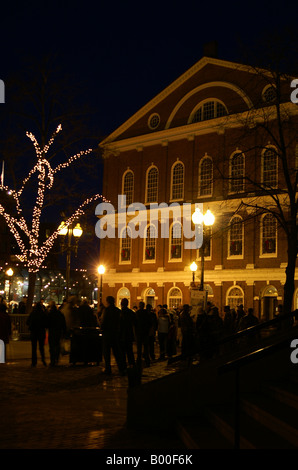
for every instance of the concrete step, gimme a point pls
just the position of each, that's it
(280, 418)
(284, 392)
(197, 433)
(253, 434)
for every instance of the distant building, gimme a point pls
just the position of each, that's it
(193, 143)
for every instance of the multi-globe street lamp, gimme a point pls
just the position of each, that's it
(69, 242)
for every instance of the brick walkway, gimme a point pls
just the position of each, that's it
(67, 407)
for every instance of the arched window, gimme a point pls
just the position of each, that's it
(269, 168)
(152, 185)
(206, 177)
(268, 235)
(209, 110)
(128, 186)
(123, 293)
(150, 243)
(174, 297)
(125, 245)
(236, 235)
(177, 181)
(237, 165)
(176, 241)
(235, 297)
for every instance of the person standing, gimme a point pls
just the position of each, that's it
(163, 330)
(37, 323)
(110, 326)
(127, 332)
(5, 324)
(57, 330)
(143, 324)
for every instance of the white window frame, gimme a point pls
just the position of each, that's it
(171, 259)
(178, 162)
(230, 255)
(146, 244)
(169, 297)
(147, 185)
(204, 159)
(121, 245)
(273, 254)
(262, 167)
(228, 296)
(201, 105)
(123, 185)
(231, 190)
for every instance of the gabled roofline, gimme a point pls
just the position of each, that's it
(169, 89)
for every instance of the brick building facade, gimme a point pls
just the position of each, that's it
(200, 141)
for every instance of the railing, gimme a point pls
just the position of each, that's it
(282, 322)
(19, 327)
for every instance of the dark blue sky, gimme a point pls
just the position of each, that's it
(123, 52)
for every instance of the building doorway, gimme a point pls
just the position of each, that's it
(269, 303)
(149, 297)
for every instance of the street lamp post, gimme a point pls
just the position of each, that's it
(193, 268)
(206, 220)
(9, 273)
(101, 270)
(68, 234)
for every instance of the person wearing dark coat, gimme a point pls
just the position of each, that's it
(143, 324)
(86, 315)
(110, 326)
(37, 323)
(5, 325)
(127, 332)
(57, 330)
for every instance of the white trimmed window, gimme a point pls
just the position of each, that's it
(237, 168)
(152, 185)
(176, 242)
(236, 237)
(174, 297)
(128, 186)
(150, 244)
(125, 246)
(206, 177)
(268, 235)
(235, 297)
(177, 181)
(209, 110)
(269, 168)
(123, 293)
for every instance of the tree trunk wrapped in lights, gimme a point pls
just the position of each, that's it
(33, 252)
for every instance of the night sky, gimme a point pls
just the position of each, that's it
(120, 55)
(124, 53)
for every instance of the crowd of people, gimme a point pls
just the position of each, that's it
(136, 336)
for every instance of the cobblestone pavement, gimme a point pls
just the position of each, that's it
(67, 407)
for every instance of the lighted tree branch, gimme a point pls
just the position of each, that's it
(33, 253)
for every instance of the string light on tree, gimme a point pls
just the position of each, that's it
(33, 252)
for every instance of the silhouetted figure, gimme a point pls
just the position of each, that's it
(57, 330)
(110, 325)
(143, 324)
(163, 331)
(86, 315)
(37, 323)
(187, 330)
(152, 331)
(248, 320)
(5, 324)
(127, 332)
